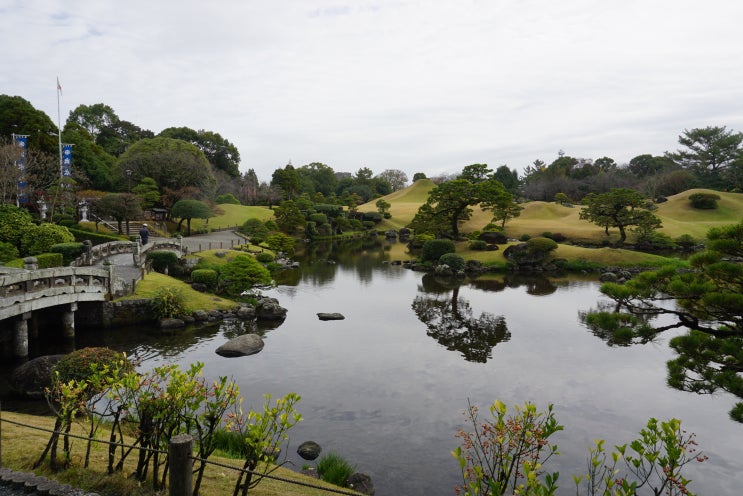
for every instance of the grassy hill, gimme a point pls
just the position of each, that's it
(677, 215)
(234, 215)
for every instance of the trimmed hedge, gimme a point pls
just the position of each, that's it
(205, 276)
(264, 258)
(69, 251)
(478, 244)
(94, 237)
(706, 201)
(433, 249)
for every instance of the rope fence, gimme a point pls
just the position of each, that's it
(179, 474)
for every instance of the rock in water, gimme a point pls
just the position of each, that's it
(330, 316)
(247, 344)
(309, 450)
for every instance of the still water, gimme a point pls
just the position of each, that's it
(386, 387)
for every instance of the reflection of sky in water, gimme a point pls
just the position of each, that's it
(388, 397)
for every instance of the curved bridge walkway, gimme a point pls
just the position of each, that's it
(101, 273)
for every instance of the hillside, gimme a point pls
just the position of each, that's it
(677, 215)
(234, 215)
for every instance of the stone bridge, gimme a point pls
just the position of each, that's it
(99, 274)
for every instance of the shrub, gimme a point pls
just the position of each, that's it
(433, 249)
(319, 218)
(375, 217)
(686, 241)
(264, 257)
(328, 209)
(478, 244)
(14, 222)
(80, 364)
(368, 224)
(255, 230)
(49, 260)
(69, 251)
(162, 260)
(242, 274)
(387, 215)
(205, 276)
(280, 242)
(706, 201)
(547, 234)
(454, 261)
(334, 469)
(95, 238)
(655, 241)
(524, 238)
(227, 198)
(39, 239)
(168, 303)
(541, 245)
(231, 443)
(7, 252)
(355, 224)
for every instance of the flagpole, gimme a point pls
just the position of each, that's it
(59, 129)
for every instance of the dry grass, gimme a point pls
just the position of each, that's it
(677, 215)
(21, 447)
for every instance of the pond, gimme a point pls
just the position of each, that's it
(386, 387)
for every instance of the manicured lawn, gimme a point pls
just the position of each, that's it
(234, 215)
(195, 300)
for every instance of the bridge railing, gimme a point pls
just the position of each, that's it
(23, 290)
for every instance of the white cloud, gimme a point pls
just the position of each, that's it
(417, 85)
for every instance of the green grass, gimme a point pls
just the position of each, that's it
(233, 215)
(335, 469)
(195, 300)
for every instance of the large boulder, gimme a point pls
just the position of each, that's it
(247, 344)
(269, 309)
(31, 378)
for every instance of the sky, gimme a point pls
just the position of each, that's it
(420, 86)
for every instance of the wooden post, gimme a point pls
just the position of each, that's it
(181, 466)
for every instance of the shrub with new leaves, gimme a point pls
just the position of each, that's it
(242, 274)
(168, 303)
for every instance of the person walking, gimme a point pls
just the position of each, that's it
(144, 234)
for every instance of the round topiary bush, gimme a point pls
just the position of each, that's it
(205, 276)
(705, 201)
(433, 249)
(80, 365)
(264, 258)
(541, 245)
(454, 261)
(525, 237)
(478, 244)
(7, 252)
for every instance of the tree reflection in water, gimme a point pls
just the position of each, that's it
(450, 320)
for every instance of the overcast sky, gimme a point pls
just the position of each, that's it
(421, 86)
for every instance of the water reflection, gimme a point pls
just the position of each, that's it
(536, 285)
(450, 320)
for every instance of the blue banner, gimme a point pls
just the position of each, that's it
(21, 141)
(66, 160)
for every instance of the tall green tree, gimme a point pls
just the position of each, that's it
(317, 177)
(287, 179)
(220, 153)
(621, 208)
(19, 116)
(708, 152)
(172, 163)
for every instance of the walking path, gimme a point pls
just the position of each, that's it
(127, 271)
